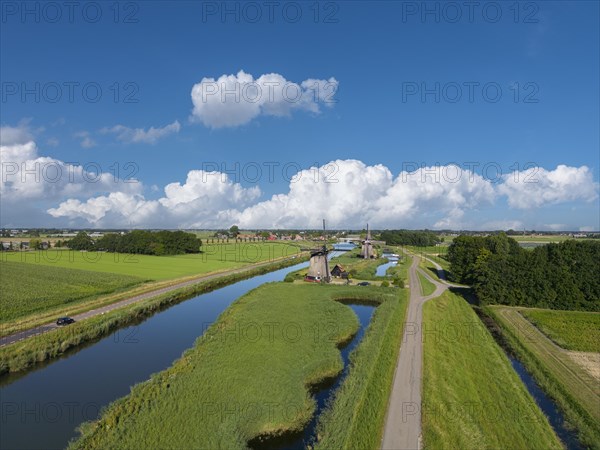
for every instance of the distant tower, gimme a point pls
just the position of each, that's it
(319, 264)
(367, 251)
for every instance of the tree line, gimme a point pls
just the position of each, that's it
(555, 276)
(409, 237)
(139, 242)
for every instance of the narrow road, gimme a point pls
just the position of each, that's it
(16, 337)
(402, 429)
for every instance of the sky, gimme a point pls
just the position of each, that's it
(439, 115)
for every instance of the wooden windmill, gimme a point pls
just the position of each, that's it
(318, 271)
(367, 251)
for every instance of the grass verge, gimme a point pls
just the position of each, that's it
(427, 287)
(24, 354)
(472, 398)
(575, 392)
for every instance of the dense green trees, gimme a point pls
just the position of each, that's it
(556, 276)
(409, 237)
(82, 241)
(140, 242)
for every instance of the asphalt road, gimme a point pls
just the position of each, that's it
(19, 336)
(403, 421)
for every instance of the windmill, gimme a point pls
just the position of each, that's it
(367, 251)
(318, 271)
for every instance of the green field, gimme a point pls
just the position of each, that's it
(472, 398)
(574, 389)
(215, 257)
(28, 289)
(28, 352)
(427, 287)
(247, 376)
(572, 330)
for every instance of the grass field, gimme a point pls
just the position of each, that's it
(472, 398)
(570, 385)
(26, 353)
(572, 330)
(427, 287)
(248, 375)
(215, 257)
(27, 288)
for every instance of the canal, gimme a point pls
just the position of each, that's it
(43, 408)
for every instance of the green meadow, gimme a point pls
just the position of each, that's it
(427, 287)
(215, 257)
(472, 397)
(28, 289)
(572, 330)
(249, 374)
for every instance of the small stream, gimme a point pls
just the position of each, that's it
(547, 405)
(544, 402)
(322, 393)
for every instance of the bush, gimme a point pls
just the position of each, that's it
(385, 284)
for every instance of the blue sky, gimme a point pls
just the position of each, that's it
(533, 75)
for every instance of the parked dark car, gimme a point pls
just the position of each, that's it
(64, 321)
(363, 283)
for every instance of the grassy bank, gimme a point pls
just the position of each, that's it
(247, 376)
(355, 418)
(427, 287)
(26, 353)
(571, 387)
(29, 289)
(472, 398)
(572, 330)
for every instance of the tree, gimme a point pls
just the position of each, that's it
(82, 241)
(234, 231)
(35, 244)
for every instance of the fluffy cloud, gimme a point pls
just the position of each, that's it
(200, 202)
(139, 135)
(27, 176)
(234, 100)
(537, 186)
(347, 193)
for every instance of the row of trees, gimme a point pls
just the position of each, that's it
(140, 242)
(409, 237)
(556, 276)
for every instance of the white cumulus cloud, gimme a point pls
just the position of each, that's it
(234, 100)
(537, 186)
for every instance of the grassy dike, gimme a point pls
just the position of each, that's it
(24, 354)
(472, 398)
(556, 378)
(250, 374)
(356, 416)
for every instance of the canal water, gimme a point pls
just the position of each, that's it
(547, 405)
(322, 393)
(382, 269)
(43, 408)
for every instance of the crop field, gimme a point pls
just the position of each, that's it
(27, 288)
(572, 330)
(472, 398)
(265, 350)
(574, 389)
(215, 257)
